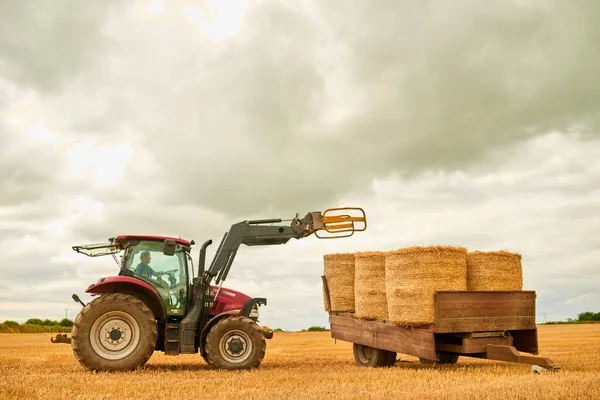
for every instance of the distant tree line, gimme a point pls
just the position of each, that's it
(36, 325)
(48, 322)
(588, 316)
(315, 329)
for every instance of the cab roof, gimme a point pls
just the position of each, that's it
(125, 238)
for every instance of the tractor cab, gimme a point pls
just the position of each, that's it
(162, 263)
(152, 262)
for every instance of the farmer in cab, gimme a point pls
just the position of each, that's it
(143, 268)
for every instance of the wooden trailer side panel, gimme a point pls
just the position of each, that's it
(379, 335)
(466, 311)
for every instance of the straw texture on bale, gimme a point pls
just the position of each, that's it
(414, 274)
(494, 270)
(339, 273)
(369, 285)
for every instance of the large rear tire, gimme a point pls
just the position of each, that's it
(115, 332)
(366, 356)
(235, 343)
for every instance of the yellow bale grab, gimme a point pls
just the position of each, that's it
(342, 222)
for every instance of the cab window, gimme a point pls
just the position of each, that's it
(166, 273)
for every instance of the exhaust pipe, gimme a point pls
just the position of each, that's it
(202, 258)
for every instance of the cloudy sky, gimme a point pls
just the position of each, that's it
(464, 123)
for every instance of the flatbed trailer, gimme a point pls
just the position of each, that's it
(496, 325)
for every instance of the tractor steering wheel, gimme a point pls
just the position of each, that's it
(170, 276)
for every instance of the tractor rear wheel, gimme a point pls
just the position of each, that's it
(444, 357)
(366, 356)
(235, 343)
(115, 332)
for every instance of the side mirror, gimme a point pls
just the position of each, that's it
(169, 247)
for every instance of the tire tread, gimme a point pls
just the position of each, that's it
(82, 348)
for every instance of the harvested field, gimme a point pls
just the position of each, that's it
(304, 365)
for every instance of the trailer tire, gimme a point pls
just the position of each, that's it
(235, 343)
(444, 357)
(391, 359)
(115, 332)
(366, 356)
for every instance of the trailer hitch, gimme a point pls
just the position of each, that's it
(61, 339)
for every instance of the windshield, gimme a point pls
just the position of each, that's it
(166, 273)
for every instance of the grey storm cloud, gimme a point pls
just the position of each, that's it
(307, 104)
(44, 43)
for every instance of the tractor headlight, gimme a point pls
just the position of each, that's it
(254, 312)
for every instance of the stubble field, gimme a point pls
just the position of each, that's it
(304, 365)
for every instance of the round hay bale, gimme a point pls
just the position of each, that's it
(369, 285)
(339, 273)
(494, 270)
(414, 274)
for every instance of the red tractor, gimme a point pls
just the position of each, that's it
(157, 302)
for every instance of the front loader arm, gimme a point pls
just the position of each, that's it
(338, 222)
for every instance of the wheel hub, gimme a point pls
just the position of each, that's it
(365, 353)
(236, 346)
(114, 335)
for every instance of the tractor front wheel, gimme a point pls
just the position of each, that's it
(115, 332)
(235, 343)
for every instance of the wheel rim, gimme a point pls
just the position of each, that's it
(364, 353)
(115, 335)
(235, 346)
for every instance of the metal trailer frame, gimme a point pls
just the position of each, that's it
(494, 325)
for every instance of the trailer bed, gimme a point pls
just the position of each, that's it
(492, 325)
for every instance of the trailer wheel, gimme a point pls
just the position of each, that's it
(235, 343)
(391, 359)
(443, 356)
(115, 332)
(366, 356)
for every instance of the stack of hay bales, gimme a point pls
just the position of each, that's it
(369, 286)
(399, 286)
(339, 274)
(414, 274)
(494, 270)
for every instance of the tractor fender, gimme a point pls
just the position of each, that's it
(131, 286)
(249, 305)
